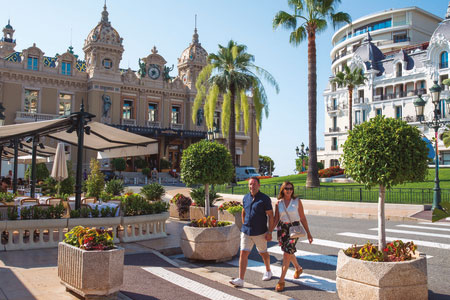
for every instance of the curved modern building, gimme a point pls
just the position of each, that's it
(402, 52)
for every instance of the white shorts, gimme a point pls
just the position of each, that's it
(248, 241)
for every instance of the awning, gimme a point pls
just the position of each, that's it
(129, 151)
(103, 137)
(41, 128)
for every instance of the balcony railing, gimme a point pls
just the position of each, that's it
(334, 129)
(340, 56)
(336, 107)
(360, 100)
(129, 122)
(23, 116)
(176, 126)
(443, 65)
(399, 95)
(153, 124)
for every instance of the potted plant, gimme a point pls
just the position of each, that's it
(89, 264)
(96, 180)
(197, 209)
(179, 207)
(383, 152)
(140, 163)
(231, 211)
(209, 239)
(153, 191)
(164, 165)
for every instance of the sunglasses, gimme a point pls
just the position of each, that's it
(288, 189)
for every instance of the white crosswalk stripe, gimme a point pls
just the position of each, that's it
(191, 285)
(423, 227)
(327, 243)
(317, 282)
(311, 256)
(436, 224)
(415, 232)
(390, 238)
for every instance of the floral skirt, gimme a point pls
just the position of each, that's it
(287, 244)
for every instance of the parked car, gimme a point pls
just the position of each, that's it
(108, 174)
(243, 173)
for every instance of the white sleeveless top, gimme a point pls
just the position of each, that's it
(292, 210)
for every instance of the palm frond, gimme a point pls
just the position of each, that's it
(226, 111)
(245, 110)
(298, 36)
(210, 105)
(340, 18)
(284, 20)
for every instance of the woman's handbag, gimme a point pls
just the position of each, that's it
(295, 231)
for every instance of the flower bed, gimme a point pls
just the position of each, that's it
(330, 172)
(231, 211)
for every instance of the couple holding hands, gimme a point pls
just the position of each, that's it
(257, 210)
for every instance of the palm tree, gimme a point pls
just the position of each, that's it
(349, 79)
(312, 16)
(231, 74)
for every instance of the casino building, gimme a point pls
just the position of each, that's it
(148, 101)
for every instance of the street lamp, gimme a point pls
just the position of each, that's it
(302, 153)
(435, 123)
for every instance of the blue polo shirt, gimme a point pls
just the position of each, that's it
(255, 222)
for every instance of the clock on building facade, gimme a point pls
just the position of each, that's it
(154, 72)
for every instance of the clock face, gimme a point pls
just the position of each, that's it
(153, 71)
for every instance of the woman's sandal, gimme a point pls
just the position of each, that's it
(279, 287)
(297, 273)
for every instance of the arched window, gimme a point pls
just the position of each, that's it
(444, 60)
(399, 70)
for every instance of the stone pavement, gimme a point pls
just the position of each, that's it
(32, 274)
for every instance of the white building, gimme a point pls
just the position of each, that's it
(401, 51)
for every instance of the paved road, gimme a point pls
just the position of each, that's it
(199, 280)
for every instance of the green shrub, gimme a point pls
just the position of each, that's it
(96, 181)
(114, 187)
(119, 164)
(67, 186)
(7, 197)
(140, 163)
(164, 164)
(41, 172)
(135, 205)
(49, 186)
(146, 172)
(198, 195)
(182, 202)
(12, 213)
(235, 209)
(153, 191)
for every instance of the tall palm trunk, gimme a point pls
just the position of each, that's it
(350, 107)
(232, 130)
(312, 179)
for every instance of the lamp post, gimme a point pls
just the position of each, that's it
(302, 153)
(435, 124)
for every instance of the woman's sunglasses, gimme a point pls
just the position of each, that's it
(288, 189)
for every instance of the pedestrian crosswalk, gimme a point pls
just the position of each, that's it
(431, 236)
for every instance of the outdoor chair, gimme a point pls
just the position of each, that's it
(88, 200)
(2, 203)
(29, 200)
(54, 201)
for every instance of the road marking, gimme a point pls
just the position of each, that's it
(436, 224)
(316, 282)
(415, 232)
(191, 285)
(417, 242)
(328, 243)
(315, 257)
(424, 227)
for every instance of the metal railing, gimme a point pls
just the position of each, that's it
(397, 95)
(349, 194)
(23, 116)
(334, 129)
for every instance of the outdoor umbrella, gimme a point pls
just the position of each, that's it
(59, 170)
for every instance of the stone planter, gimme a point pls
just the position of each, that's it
(173, 211)
(91, 274)
(196, 212)
(358, 279)
(235, 218)
(218, 243)
(106, 223)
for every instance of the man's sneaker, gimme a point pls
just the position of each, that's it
(267, 276)
(237, 282)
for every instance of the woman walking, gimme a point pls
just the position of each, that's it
(289, 212)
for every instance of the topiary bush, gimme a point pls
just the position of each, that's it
(153, 191)
(67, 186)
(206, 163)
(41, 172)
(96, 180)
(119, 164)
(114, 187)
(385, 152)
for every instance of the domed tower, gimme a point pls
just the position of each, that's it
(191, 62)
(7, 43)
(103, 50)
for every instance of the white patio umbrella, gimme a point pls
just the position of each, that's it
(59, 169)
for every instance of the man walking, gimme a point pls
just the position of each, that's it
(254, 231)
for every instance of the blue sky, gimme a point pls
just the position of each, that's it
(169, 25)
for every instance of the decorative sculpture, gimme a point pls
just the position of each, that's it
(106, 105)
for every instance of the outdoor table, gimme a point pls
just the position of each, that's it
(18, 199)
(43, 199)
(36, 195)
